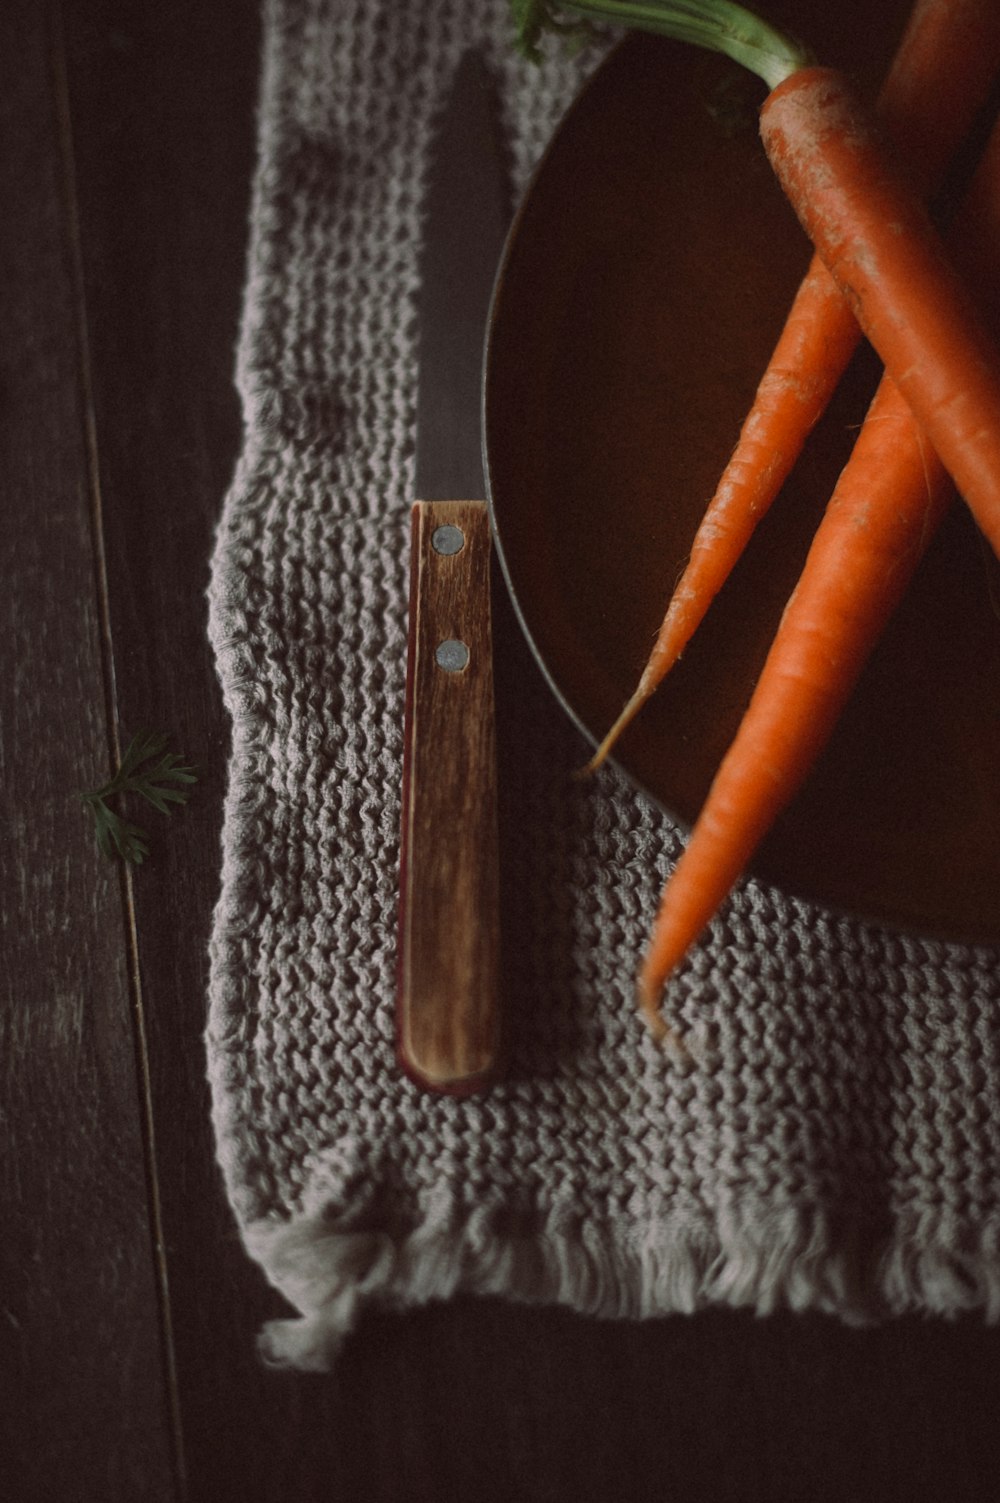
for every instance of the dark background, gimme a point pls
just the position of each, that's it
(127, 1308)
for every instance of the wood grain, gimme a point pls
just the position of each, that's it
(86, 1409)
(449, 934)
(162, 103)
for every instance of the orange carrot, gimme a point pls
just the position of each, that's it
(887, 503)
(866, 222)
(884, 509)
(880, 245)
(939, 78)
(877, 240)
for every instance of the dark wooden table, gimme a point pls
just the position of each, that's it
(127, 1307)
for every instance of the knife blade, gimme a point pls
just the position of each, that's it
(448, 1005)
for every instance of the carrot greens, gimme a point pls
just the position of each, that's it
(150, 771)
(718, 25)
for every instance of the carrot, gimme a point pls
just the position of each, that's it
(888, 501)
(881, 247)
(868, 225)
(939, 78)
(877, 240)
(883, 512)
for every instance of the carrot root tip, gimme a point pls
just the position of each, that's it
(673, 1043)
(654, 1021)
(624, 720)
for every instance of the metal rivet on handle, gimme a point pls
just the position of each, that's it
(447, 539)
(451, 655)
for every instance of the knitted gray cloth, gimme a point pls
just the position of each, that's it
(835, 1147)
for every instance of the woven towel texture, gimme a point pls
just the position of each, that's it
(837, 1145)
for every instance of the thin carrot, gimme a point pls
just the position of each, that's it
(940, 76)
(883, 511)
(881, 247)
(885, 508)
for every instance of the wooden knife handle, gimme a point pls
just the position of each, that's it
(449, 928)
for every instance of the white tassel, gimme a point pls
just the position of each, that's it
(787, 1260)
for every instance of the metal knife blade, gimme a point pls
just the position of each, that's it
(448, 1007)
(466, 219)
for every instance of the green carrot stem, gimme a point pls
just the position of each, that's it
(719, 25)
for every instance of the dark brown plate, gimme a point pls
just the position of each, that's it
(643, 285)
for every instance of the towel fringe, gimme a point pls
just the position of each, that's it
(786, 1260)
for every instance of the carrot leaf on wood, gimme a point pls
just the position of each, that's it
(150, 771)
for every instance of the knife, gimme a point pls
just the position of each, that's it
(448, 1004)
